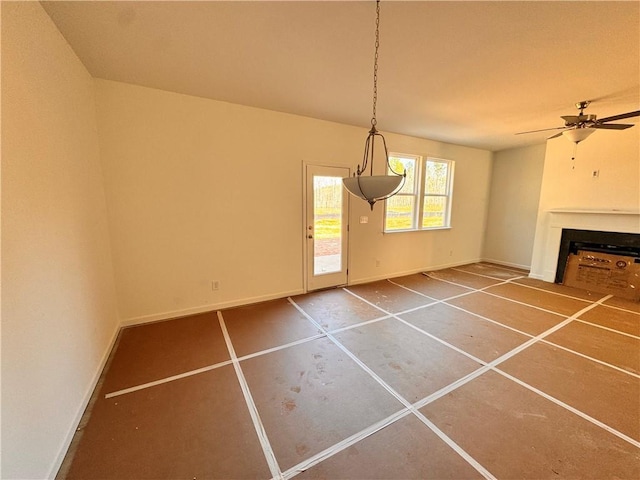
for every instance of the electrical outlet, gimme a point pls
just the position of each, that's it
(595, 174)
(215, 285)
(377, 262)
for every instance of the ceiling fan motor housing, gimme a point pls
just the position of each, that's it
(571, 120)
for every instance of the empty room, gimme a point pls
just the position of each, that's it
(320, 239)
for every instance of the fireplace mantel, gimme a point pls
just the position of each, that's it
(595, 212)
(627, 221)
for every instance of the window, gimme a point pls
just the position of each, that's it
(425, 199)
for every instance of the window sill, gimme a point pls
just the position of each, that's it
(416, 230)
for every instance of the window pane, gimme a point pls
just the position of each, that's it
(327, 224)
(437, 174)
(400, 214)
(434, 212)
(408, 164)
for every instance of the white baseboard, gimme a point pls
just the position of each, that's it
(156, 317)
(507, 264)
(360, 281)
(451, 265)
(410, 272)
(536, 276)
(64, 448)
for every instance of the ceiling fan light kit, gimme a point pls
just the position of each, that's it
(576, 135)
(373, 188)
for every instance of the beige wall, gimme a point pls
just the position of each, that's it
(200, 190)
(58, 300)
(569, 184)
(513, 206)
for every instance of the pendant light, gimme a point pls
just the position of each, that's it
(373, 188)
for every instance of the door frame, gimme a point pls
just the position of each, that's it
(305, 243)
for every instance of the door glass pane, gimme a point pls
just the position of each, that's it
(327, 225)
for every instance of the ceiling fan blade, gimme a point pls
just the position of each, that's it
(620, 116)
(543, 130)
(613, 126)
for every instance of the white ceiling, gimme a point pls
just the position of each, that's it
(471, 73)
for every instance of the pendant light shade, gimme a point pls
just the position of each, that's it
(576, 135)
(374, 188)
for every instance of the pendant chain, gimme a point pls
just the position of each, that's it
(375, 65)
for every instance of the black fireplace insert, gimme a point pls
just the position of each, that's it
(616, 243)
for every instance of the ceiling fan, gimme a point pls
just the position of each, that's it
(578, 127)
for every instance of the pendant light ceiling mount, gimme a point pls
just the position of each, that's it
(373, 188)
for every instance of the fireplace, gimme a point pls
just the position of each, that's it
(545, 261)
(614, 243)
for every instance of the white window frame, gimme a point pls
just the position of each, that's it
(420, 194)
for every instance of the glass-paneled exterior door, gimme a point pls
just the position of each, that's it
(326, 226)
